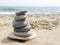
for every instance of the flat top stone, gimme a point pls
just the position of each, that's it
(20, 13)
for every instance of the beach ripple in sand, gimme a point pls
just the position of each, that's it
(44, 22)
(36, 21)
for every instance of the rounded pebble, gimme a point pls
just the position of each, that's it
(23, 34)
(19, 13)
(27, 28)
(19, 24)
(18, 18)
(13, 36)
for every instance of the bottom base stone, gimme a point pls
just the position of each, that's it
(12, 36)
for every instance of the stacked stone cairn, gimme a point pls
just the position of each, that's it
(22, 30)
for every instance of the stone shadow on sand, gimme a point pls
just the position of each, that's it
(8, 40)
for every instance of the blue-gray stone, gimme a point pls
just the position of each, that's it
(24, 34)
(19, 24)
(26, 28)
(18, 18)
(19, 13)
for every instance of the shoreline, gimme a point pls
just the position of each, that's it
(31, 12)
(48, 14)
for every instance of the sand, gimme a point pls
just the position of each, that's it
(47, 28)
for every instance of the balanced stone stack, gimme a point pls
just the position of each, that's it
(22, 30)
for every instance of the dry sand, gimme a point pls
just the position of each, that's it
(47, 28)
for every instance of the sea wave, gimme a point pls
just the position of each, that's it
(29, 9)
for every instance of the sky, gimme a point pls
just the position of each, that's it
(30, 3)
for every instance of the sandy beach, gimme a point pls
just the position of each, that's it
(47, 27)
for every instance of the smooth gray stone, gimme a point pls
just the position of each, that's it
(19, 13)
(24, 34)
(13, 36)
(18, 18)
(19, 24)
(27, 28)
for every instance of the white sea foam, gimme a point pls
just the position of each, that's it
(7, 12)
(54, 13)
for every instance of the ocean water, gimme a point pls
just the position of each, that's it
(29, 9)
